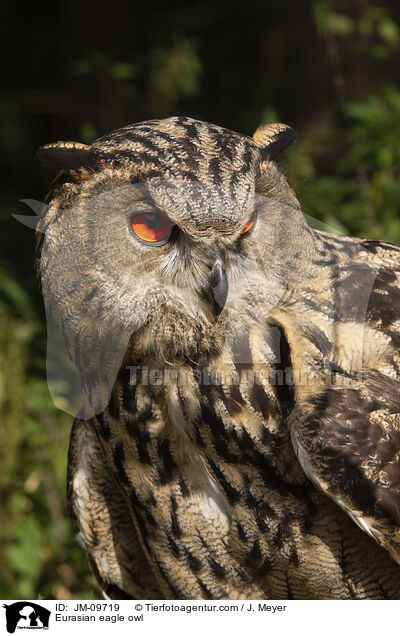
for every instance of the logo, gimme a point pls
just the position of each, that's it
(26, 615)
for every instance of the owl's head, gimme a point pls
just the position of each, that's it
(158, 234)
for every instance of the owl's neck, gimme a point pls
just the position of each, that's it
(230, 405)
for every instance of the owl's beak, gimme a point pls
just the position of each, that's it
(219, 286)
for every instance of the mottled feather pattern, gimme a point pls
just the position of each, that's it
(262, 460)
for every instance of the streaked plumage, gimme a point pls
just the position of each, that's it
(263, 461)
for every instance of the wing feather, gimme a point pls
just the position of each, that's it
(346, 432)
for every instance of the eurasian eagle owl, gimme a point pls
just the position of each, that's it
(239, 429)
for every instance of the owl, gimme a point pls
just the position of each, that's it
(238, 433)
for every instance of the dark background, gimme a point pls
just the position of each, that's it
(74, 71)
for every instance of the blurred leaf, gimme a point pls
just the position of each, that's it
(24, 555)
(88, 132)
(320, 12)
(175, 72)
(269, 116)
(123, 70)
(339, 24)
(388, 31)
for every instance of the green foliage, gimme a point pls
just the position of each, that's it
(39, 556)
(361, 193)
(175, 72)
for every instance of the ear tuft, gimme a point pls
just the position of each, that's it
(68, 155)
(272, 139)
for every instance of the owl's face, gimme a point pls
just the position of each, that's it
(160, 232)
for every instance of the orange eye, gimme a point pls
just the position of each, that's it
(152, 227)
(248, 225)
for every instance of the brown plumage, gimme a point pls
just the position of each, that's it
(239, 431)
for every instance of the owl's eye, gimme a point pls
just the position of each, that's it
(151, 227)
(249, 225)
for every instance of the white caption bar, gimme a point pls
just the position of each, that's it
(177, 617)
